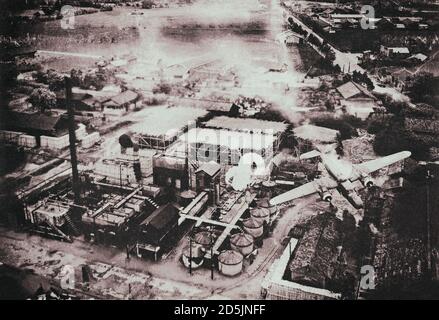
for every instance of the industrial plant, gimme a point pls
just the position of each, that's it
(195, 150)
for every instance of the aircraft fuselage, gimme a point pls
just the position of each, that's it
(341, 171)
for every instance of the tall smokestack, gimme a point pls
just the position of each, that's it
(72, 140)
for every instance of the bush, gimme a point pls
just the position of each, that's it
(162, 87)
(43, 99)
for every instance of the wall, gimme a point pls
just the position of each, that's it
(91, 139)
(18, 138)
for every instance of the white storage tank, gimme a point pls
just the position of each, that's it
(262, 214)
(253, 227)
(242, 242)
(230, 262)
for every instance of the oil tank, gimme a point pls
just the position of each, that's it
(186, 197)
(230, 262)
(267, 189)
(262, 214)
(253, 227)
(264, 203)
(196, 256)
(242, 242)
(204, 239)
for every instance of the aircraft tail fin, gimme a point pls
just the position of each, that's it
(310, 154)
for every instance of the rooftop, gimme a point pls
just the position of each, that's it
(124, 97)
(167, 121)
(399, 49)
(229, 139)
(161, 217)
(351, 89)
(32, 122)
(53, 209)
(317, 250)
(246, 124)
(211, 168)
(316, 133)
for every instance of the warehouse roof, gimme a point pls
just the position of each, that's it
(161, 217)
(246, 124)
(229, 139)
(314, 257)
(167, 121)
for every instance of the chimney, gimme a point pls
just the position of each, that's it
(72, 141)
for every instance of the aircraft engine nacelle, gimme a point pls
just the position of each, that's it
(326, 196)
(368, 182)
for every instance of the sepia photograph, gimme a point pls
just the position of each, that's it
(241, 151)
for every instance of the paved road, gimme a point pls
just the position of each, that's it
(65, 53)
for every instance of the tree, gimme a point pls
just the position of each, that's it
(77, 77)
(147, 4)
(55, 80)
(43, 99)
(421, 86)
(96, 80)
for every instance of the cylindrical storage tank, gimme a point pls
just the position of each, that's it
(230, 262)
(204, 238)
(186, 197)
(264, 203)
(197, 255)
(253, 227)
(262, 214)
(267, 189)
(242, 242)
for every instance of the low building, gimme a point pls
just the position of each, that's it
(401, 78)
(163, 127)
(156, 231)
(78, 101)
(315, 258)
(36, 124)
(419, 57)
(395, 52)
(276, 287)
(357, 100)
(353, 91)
(121, 103)
(316, 134)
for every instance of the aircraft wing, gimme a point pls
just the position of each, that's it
(304, 190)
(374, 165)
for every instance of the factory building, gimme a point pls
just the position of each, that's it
(157, 231)
(208, 179)
(167, 127)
